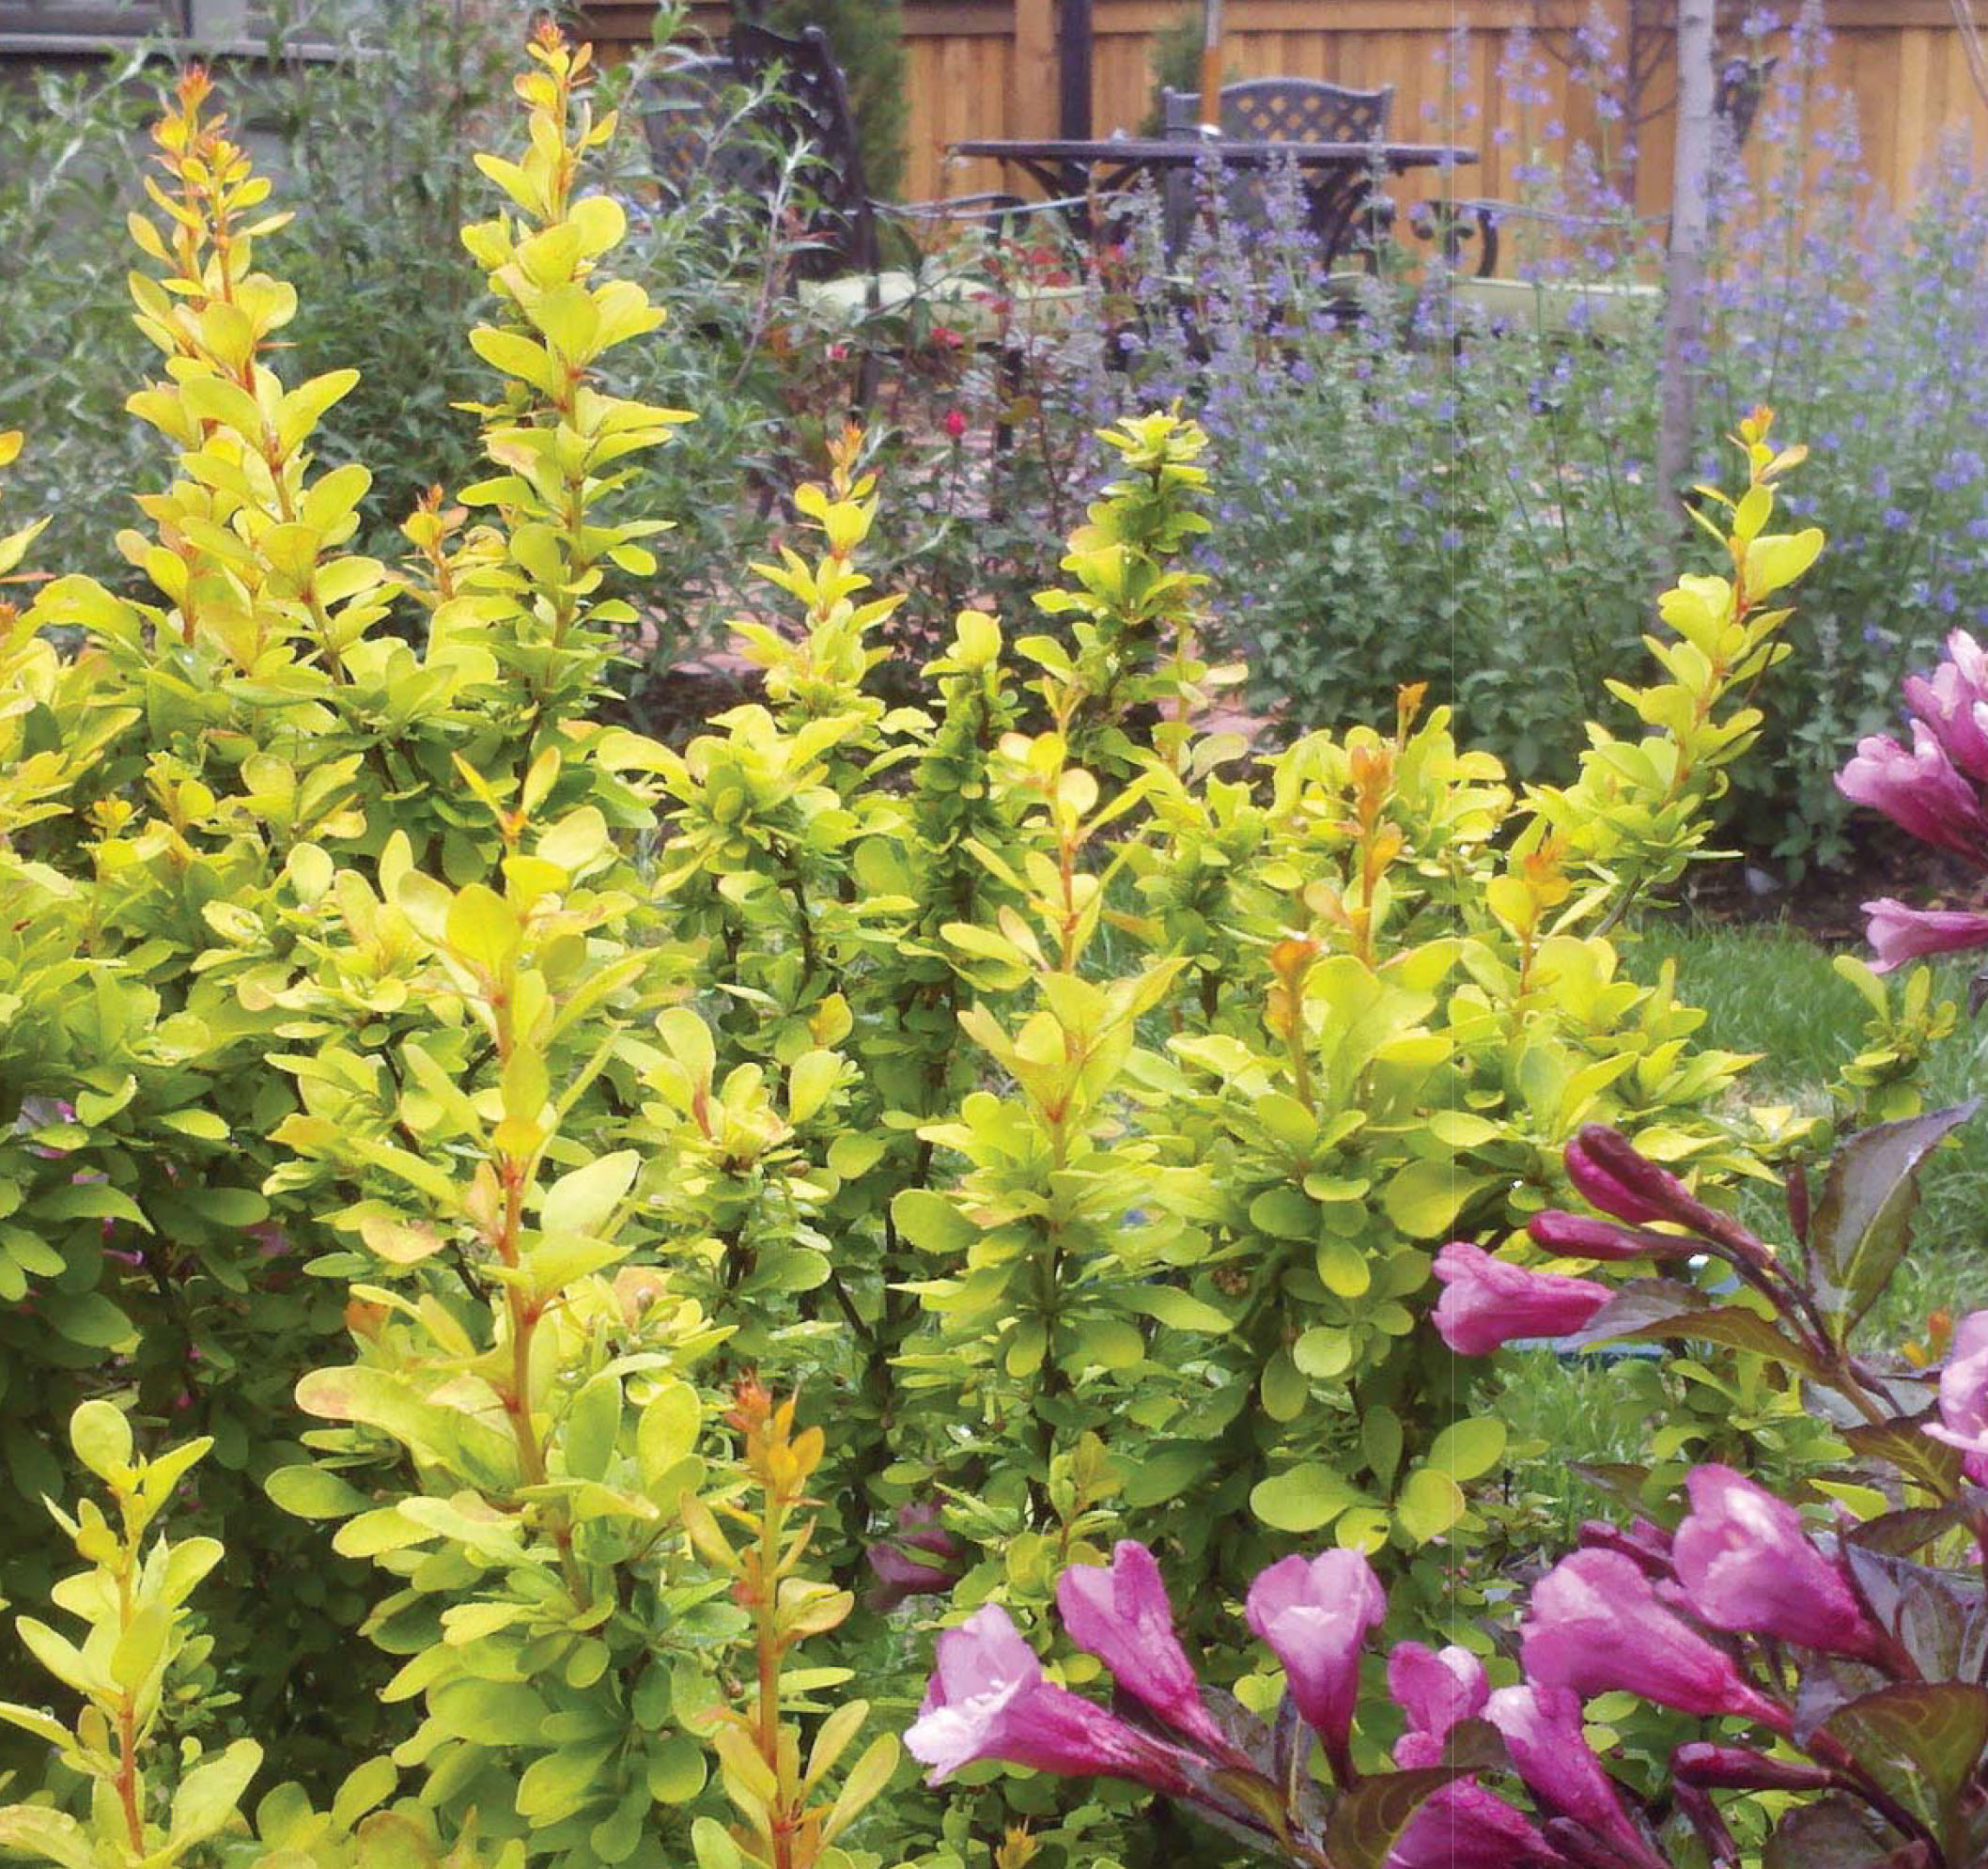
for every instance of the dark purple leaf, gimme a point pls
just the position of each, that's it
(1653, 1310)
(1367, 1820)
(1931, 1610)
(1919, 1735)
(1863, 1222)
(1901, 1533)
(1836, 1833)
(1906, 1447)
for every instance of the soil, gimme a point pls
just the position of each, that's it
(1827, 903)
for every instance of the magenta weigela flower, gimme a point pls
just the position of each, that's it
(1745, 1565)
(1963, 1396)
(987, 1700)
(1462, 1826)
(1120, 1614)
(1486, 1302)
(1540, 1726)
(1918, 789)
(923, 1559)
(1595, 1625)
(1435, 1688)
(1952, 701)
(1316, 1615)
(1898, 934)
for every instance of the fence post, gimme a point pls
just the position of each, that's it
(1030, 110)
(1073, 52)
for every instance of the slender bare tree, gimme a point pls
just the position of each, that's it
(1690, 225)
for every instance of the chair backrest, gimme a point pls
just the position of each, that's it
(1285, 109)
(685, 114)
(1741, 83)
(808, 109)
(1268, 110)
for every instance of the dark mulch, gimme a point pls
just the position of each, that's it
(1827, 903)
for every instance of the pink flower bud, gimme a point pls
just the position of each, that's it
(1121, 1616)
(1583, 1236)
(1740, 1769)
(1898, 934)
(1465, 1827)
(1595, 1625)
(956, 425)
(1613, 1174)
(1541, 1727)
(987, 1700)
(923, 1559)
(1316, 1616)
(1645, 1545)
(1746, 1565)
(1488, 1302)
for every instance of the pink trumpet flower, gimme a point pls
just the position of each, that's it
(987, 1700)
(1120, 1616)
(1596, 1624)
(1488, 1301)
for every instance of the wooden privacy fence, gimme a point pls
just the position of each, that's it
(989, 68)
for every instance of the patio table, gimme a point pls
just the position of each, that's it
(1336, 176)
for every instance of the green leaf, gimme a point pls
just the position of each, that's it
(42, 1725)
(488, 1713)
(582, 1201)
(715, 1849)
(1428, 1504)
(1177, 1310)
(52, 1836)
(479, 1449)
(1302, 1499)
(866, 1779)
(1863, 1222)
(593, 1422)
(1284, 1213)
(208, 1795)
(1424, 1197)
(1465, 1450)
(312, 1492)
(668, 1431)
(932, 1224)
(677, 1769)
(1159, 1474)
(102, 1439)
(557, 1784)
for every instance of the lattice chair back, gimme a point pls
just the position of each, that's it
(685, 114)
(1268, 110)
(1304, 110)
(810, 110)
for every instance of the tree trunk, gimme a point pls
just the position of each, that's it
(1690, 223)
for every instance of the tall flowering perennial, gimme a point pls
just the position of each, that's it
(1826, 1658)
(1933, 790)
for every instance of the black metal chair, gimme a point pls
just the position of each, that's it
(1271, 109)
(773, 119)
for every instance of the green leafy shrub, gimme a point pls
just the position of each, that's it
(446, 1101)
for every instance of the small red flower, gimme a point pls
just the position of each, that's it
(956, 425)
